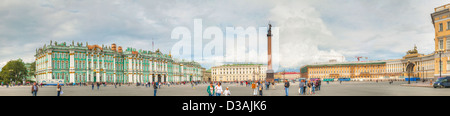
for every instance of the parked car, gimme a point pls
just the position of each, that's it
(442, 82)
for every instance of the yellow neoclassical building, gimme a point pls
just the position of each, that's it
(441, 22)
(357, 70)
(239, 72)
(436, 64)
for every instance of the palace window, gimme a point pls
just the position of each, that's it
(448, 43)
(440, 27)
(441, 44)
(448, 65)
(448, 25)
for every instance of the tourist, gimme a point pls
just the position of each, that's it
(273, 84)
(34, 89)
(155, 88)
(254, 89)
(301, 87)
(159, 85)
(309, 88)
(319, 83)
(58, 89)
(267, 85)
(313, 87)
(92, 86)
(98, 86)
(260, 87)
(227, 92)
(218, 89)
(286, 87)
(210, 89)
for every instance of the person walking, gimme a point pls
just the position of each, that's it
(98, 86)
(92, 86)
(319, 83)
(155, 88)
(159, 85)
(254, 89)
(58, 89)
(227, 92)
(301, 87)
(286, 87)
(261, 89)
(308, 88)
(210, 89)
(313, 89)
(219, 89)
(34, 89)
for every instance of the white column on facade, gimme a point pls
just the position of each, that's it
(86, 68)
(114, 68)
(71, 66)
(130, 68)
(92, 67)
(103, 68)
(140, 70)
(49, 66)
(151, 70)
(98, 68)
(134, 70)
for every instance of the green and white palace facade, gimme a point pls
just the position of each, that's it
(76, 63)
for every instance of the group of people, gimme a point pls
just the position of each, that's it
(35, 89)
(310, 87)
(217, 90)
(258, 87)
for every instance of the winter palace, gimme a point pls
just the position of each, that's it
(93, 63)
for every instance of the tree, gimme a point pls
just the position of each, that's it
(14, 70)
(32, 69)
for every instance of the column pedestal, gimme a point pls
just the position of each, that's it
(270, 75)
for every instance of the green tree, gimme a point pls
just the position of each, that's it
(32, 69)
(14, 70)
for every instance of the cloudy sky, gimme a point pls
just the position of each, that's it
(310, 30)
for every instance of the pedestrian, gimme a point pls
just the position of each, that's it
(267, 85)
(273, 84)
(210, 89)
(34, 89)
(301, 85)
(218, 89)
(98, 86)
(58, 89)
(92, 86)
(254, 89)
(313, 89)
(155, 88)
(227, 92)
(286, 87)
(319, 83)
(159, 85)
(309, 88)
(260, 89)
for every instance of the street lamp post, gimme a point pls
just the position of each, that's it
(440, 51)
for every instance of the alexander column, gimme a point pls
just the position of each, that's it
(269, 76)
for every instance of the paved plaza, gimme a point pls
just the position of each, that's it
(332, 89)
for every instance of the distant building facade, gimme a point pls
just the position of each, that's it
(93, 63)
(436, 64)
(287, 75)
(239, 72)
